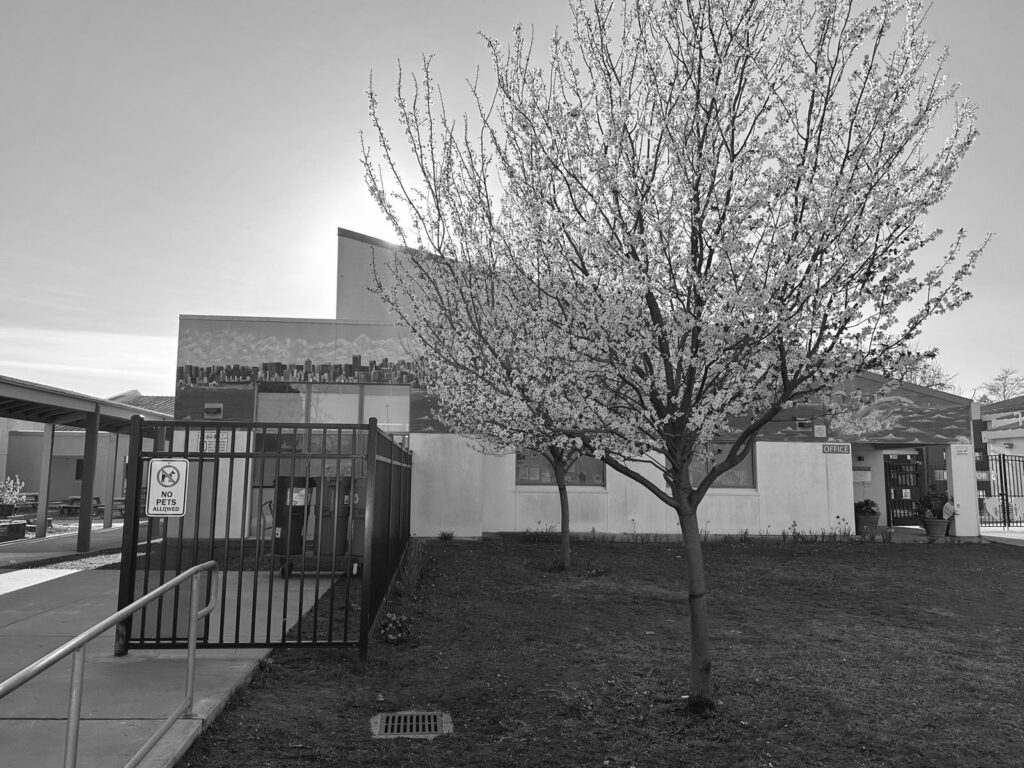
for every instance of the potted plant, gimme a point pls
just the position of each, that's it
(865, 517)
(10, 494)
(930, 507)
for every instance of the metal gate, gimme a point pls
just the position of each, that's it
(908, 476)
(1000, 490)
(307, 523)
(902, 490)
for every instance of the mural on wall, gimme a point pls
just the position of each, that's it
(904, 415)
(222, 361)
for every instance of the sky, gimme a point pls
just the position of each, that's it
(198, 156)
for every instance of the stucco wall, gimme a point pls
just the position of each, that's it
(457, 488)
(356, 257)
(963, 486)
(800, 483)
(452, 484)
(869, 464)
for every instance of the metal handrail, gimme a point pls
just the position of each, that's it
(77, 645)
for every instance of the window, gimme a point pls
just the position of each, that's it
(301, 403)
(289, 407)
(533, 469)
(740, 476)
(79, 468)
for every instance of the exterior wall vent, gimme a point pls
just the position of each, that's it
(213, 410)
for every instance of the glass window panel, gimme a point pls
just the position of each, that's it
(334, 404)
(740, 476)
(287, 407)
(389, 404)
(533, 469)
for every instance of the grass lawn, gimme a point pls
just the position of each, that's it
(826, 654)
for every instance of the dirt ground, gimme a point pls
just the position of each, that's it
(826, 654)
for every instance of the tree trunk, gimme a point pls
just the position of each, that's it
(702, 695)
(563, 502)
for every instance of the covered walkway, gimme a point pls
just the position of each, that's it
(30, 402)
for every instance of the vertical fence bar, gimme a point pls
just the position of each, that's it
(214, 511)
(1004, 497)
(247, 528)
(227, 547)
(164, 524)
(129, 534)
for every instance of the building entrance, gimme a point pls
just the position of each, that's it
(910, 473)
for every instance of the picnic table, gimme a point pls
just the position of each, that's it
(74, 504)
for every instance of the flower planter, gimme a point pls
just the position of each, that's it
(935, 526)
(12, 530)
(865, 525)
(6, 510)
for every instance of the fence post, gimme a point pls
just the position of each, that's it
(1004, 496)
(129, 534)
(366, 612)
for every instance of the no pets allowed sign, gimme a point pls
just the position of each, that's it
(165, 496)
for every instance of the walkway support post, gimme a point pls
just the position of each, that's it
(92, 439)
(46, 462)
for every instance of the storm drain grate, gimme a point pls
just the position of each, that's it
(410, 725)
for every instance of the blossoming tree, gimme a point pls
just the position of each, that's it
(484, 356)
(699, 212)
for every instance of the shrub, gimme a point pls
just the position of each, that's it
(394, 628)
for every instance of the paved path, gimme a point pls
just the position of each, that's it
(32, 551)
(1012, 536)
(126, 698)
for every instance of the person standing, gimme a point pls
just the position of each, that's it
(948, 513)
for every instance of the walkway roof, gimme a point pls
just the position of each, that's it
(28, 401)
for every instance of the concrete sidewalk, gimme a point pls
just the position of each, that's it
(32, 551)
(916, 535)
(125, 698)
(1011, 536)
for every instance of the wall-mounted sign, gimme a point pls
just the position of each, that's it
(216, 442)
(820, 430)
(835, 448)
(165, 495)
(961, 450)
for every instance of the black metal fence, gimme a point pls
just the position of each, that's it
(1000, 481)
(307, 522)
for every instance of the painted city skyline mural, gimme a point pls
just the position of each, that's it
(221, 361)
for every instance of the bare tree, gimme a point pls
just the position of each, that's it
(1004, 385)
(716, 206)
(926, 372)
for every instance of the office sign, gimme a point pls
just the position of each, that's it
(165, 494)
(835, 448)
